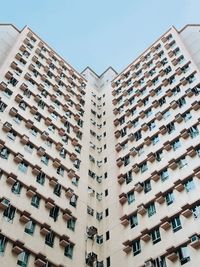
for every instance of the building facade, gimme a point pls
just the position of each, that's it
(99, 170)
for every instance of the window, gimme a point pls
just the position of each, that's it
(57, 190)
(155, 139)
(131, 197)
(107, 235)
(128, 177)
(99, 216)
(133, 221)
(187, 116)
(99, 239)
(16, 188)
(170, 127)
(136, 247)
(2, 244)
(106, 192)
(9, 213)
(176, 144)
(155, 235)
(182, 162)
(159, 155)
(22, 105)
(28, 148)
(151, 209)
(196, 212)
(11, 135)
(8, 93)
(37, 117)
(60, 171)
(54, 212)
(69, 251)
(49, 239)
(108, 262)
(138, 135)
(71, 224)
(184, 256)
(73, 200)
(147, 186)
(45, 159)
(30, 227)
(106, 212)
(17, 119)
(189, 185)
(176, 224)
(2, 106)
(23, 167)
(164, 175)
(35, 201)
(143, 167)
(90, 211)
(23, 259)
(33, 131)
(193, 131)
(40, 178)
(4, 153)
(169, 198)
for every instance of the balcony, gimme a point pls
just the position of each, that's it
(184, 134)
(165, 225)
(129, 124)
(18, 158)
(13, 112)
(195, 105)
(11, 179)
(169, 93)
(172, 164)
(3, 86)
(45, 229)
(151, 157)
(40, 151)
(49, 203)
(155, 176)
(133, 152)
(29, 124)
(159, 198)
(119, 162)
(25, 217)
(64, 241)
(142, 210)
(36, 170)
(4, 203)
(56, 163)
(167, 146)
(44, 135)
(121, 179)
(18, 98)
(138, 187)
(118, 147)
(53, 181)
(18, 247)
(7, 127)
(135, 168)
(124, 220)
(67, 215)
(69, 193)
(122, 198)
(31, 191)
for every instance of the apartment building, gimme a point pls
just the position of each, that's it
(99, 170)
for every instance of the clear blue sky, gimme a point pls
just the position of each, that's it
(100, 33)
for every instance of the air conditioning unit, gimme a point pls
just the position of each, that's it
(90, 258)
(91, 231)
